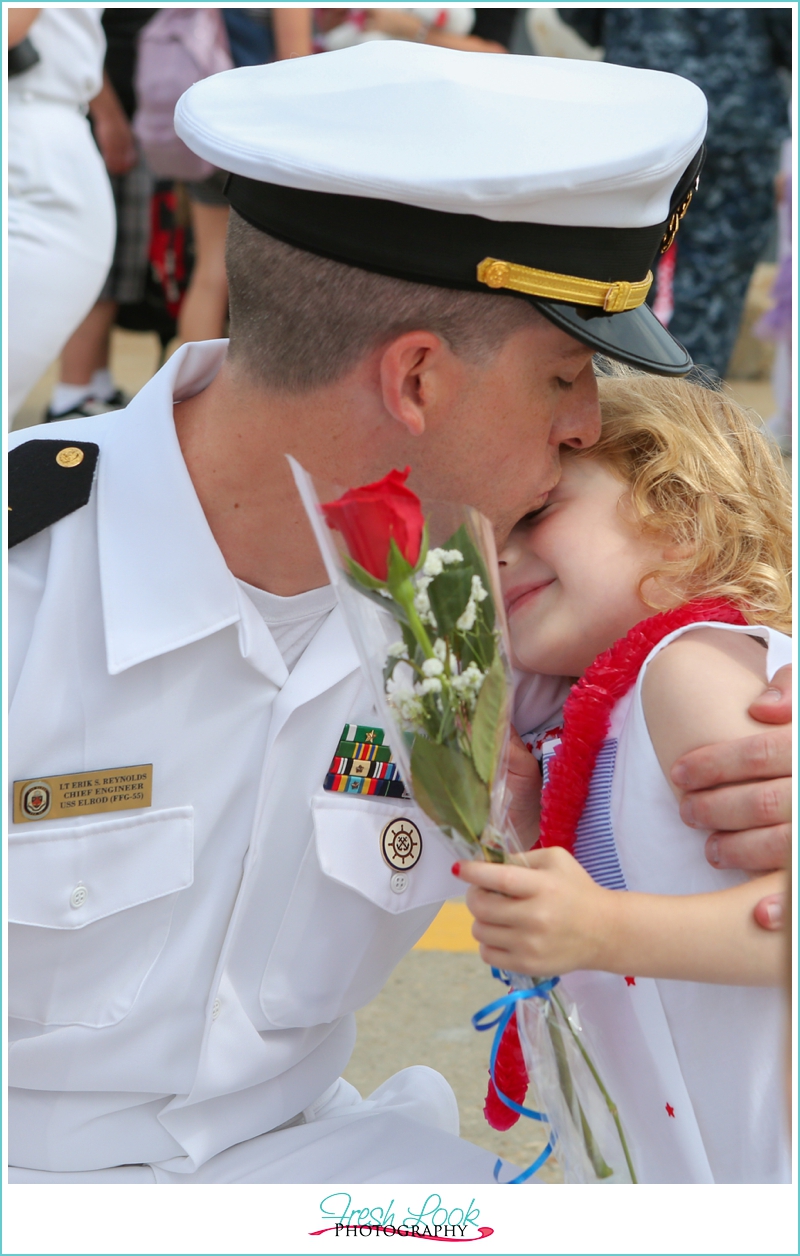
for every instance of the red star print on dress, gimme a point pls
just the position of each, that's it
(630, 981)
(670, 1110)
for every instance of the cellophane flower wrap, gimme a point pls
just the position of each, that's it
(417, 583)
(419, 591)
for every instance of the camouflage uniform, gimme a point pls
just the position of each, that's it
(734, 55)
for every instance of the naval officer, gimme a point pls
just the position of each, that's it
(195, 917)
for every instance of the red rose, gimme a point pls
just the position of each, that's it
(368, 518)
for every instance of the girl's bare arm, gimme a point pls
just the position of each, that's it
(550, 917)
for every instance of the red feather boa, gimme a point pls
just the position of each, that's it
(587, 718)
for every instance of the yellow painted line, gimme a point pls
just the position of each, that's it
(450, 931)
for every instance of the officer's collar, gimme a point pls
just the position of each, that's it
(165, 582)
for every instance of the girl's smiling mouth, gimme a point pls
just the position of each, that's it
(521, 594)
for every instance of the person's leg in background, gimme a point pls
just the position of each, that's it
(720, 241)
(84, 368)
(205, 306)
(85, 384)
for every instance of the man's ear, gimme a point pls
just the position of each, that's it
(409, 371)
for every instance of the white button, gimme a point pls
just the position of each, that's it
(78, 896)
(215, 1009)
(399, 883)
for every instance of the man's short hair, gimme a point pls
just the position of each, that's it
(299, 321)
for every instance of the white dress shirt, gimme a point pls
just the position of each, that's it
(199, 990)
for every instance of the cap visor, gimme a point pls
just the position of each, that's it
(634, 336)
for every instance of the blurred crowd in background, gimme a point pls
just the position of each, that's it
(113, 222)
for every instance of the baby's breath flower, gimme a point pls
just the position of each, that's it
(468, 684)
(404, 701)
(437, 559)
(433, 564)
(430, 685)
(397, 650)
(432, 667)
(422, 606)
(478, 593)
(467, 620)
(440, 649)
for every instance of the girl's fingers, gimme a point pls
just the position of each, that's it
(491, 908)
(509, 879)
(491, 935)
(494, 957)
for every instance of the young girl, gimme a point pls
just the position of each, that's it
(669, 541)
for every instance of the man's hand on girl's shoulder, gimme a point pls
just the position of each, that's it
(742, 790)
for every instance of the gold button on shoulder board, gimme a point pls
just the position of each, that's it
(401, 844)
(69, 456)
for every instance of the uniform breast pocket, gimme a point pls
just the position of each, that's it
(371, 881)
(89, 910)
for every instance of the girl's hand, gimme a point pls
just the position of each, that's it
(543, 919)
(524, 782)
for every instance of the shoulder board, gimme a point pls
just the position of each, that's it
(47, 480)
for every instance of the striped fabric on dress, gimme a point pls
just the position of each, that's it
(595, 848)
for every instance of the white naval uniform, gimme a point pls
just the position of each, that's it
(696, 1069)
(61, 222)
(202, 991)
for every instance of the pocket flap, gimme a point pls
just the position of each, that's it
(67, 877)
(348, 838)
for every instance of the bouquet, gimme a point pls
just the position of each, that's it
(419, 591)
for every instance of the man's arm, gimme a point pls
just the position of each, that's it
(742, 791)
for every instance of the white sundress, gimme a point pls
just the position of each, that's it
(697, 1070)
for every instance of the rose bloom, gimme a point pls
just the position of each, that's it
(370, 516)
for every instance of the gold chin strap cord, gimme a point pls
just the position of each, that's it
(613, 298)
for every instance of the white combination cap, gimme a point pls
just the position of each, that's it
(554, 180)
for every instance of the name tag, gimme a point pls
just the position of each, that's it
(82, 793)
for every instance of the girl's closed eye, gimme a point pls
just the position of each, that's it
(571, 571)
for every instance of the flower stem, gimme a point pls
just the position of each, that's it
(612, 1107)
(404, 594)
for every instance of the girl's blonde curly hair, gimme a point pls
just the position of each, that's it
(701, 474)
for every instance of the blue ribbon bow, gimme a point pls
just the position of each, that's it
(505, 1008)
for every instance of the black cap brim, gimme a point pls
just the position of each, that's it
(632, 336)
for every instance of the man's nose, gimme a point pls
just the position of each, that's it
(578, 422)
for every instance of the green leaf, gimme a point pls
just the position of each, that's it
(423, 548)
(489, 722)
(449, 594)
(399, 569)
(462, 541)
(448, 788)
(361, 575)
